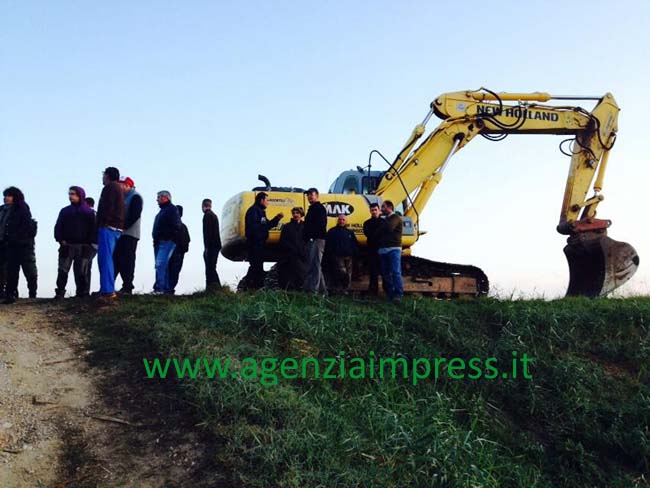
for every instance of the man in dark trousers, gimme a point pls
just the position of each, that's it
(75, 231)
(178, 256)
(340, 248)
(370, 227)
(18, 236)
(110, 224)
(257, 232)
(125, 249)
(4, 213)
(314, 234)
(90, 201)
(389, 242)
(292, 266)
(211, 245)
(166, 228)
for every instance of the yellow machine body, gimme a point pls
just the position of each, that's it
(355, 207)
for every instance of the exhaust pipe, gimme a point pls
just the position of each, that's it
(266, 181)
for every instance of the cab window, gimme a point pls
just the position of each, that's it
(351, 184)
(369, 184)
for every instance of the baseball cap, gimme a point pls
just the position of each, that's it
(128, 181)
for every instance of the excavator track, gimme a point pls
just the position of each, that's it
(420, 277)
(446, 280)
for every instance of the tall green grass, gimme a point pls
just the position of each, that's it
(583, 420)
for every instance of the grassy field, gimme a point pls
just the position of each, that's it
(582, 420)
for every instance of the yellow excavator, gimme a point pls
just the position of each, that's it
(597, 263)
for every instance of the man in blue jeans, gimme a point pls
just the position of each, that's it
(166, 228)
(110, 223)
(389, 242)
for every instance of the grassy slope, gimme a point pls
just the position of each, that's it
(582, 421)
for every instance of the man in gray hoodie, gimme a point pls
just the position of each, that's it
(124, 255)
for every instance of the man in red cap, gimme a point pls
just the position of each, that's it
(124, 256)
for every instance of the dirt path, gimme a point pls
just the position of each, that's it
(64, 423)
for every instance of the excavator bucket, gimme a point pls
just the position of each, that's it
(598, 264)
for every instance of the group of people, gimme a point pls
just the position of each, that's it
(111, 234)
(311, 255)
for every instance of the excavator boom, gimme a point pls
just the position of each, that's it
(597, 264)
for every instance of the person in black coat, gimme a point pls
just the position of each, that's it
(370, 229)
(4, 213)
(340, 248)
(211, 245)
(257, 228)
(178, 256)
(166, 228)
(314, 234)
(18, 237)
(292, 267)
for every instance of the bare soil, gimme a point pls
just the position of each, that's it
(66, 421)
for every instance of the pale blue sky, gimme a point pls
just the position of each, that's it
(199, 97)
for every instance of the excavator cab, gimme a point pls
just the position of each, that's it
(358, 182)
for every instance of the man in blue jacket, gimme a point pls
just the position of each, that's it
(257, 232)
(76, 232)
(166, 227)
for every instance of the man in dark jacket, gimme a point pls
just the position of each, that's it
(75, 232)
(18, 236)
(389, 243)
(370, 227)
(110, 224)
(257, 232)
(314, 234)
(127, 244)
(292, 267)
(166, 228)
(211, 245)
(340, 248)
(178, 256)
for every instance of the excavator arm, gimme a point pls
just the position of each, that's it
(597, 264)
